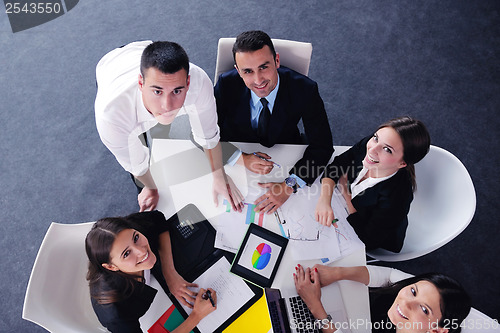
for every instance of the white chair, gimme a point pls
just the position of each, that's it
(57, 297)
(443, 206)
(478, 321)
(294, 55)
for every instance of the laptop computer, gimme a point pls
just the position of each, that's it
(289, 313)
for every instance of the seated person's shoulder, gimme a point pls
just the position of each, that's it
(397, 189)
(295, 78)
(148, 218)
(229, 76)
(403, 177)
(117, 318)
(229, 87)
(123, 315)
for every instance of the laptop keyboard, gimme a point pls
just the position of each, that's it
(302, 316)
(275, 318)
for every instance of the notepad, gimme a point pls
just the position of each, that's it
(232, 294)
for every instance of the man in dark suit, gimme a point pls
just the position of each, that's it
(259, 101)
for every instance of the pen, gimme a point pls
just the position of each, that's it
(265, 159)
(209, 294)
(279, 223)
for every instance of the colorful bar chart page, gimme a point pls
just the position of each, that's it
(232, 225)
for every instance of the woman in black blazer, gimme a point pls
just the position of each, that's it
(122, 251)
(376, 177)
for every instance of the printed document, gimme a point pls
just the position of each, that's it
(232, 294)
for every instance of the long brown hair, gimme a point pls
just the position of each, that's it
(416, 141)
(107, 286)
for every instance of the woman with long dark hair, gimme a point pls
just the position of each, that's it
(376, 177)
(123, 252)
(398, 302)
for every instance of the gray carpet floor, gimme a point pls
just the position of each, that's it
(373, 60)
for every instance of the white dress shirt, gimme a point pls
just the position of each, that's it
(256, 106)
(357, 187)
(121, 116)
(147, 277)
(383, 276)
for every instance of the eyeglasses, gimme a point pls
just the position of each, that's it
(308, 239)
(303, 238)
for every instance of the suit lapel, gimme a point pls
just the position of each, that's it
(243, 118)
(279, 116)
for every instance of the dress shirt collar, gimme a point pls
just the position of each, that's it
(357, 187)
(147, 277)
(271, 98)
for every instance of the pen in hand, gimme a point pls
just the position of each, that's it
(209, 295)
(265, 159)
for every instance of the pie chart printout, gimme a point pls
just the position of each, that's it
(261, 256)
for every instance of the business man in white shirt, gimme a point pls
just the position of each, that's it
(142, 84)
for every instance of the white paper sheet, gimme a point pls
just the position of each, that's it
(232, 225)
(347, 238)
(299, 225)
(232, 294)
(334, 242)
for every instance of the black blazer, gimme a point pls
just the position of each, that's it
(124, 316)
(381, 218)
(298, 98)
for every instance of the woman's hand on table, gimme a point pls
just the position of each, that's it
(179, 288)
(307, 283)
(327, 274)
(346, 193)
(324, 212)
(308, 287)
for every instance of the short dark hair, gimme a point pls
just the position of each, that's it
(167, 57)
(253, 40)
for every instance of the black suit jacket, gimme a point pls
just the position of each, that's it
(297, 98)
(381, 218)
(123, 316)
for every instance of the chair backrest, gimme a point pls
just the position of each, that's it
(294, 55)
(443, 206)
(478, 321)
(58, 297)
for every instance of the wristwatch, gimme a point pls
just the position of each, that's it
(320, 323)
(291, 182)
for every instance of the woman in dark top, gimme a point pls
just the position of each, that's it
(376, 177)
(398, 302)
(122, 251)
